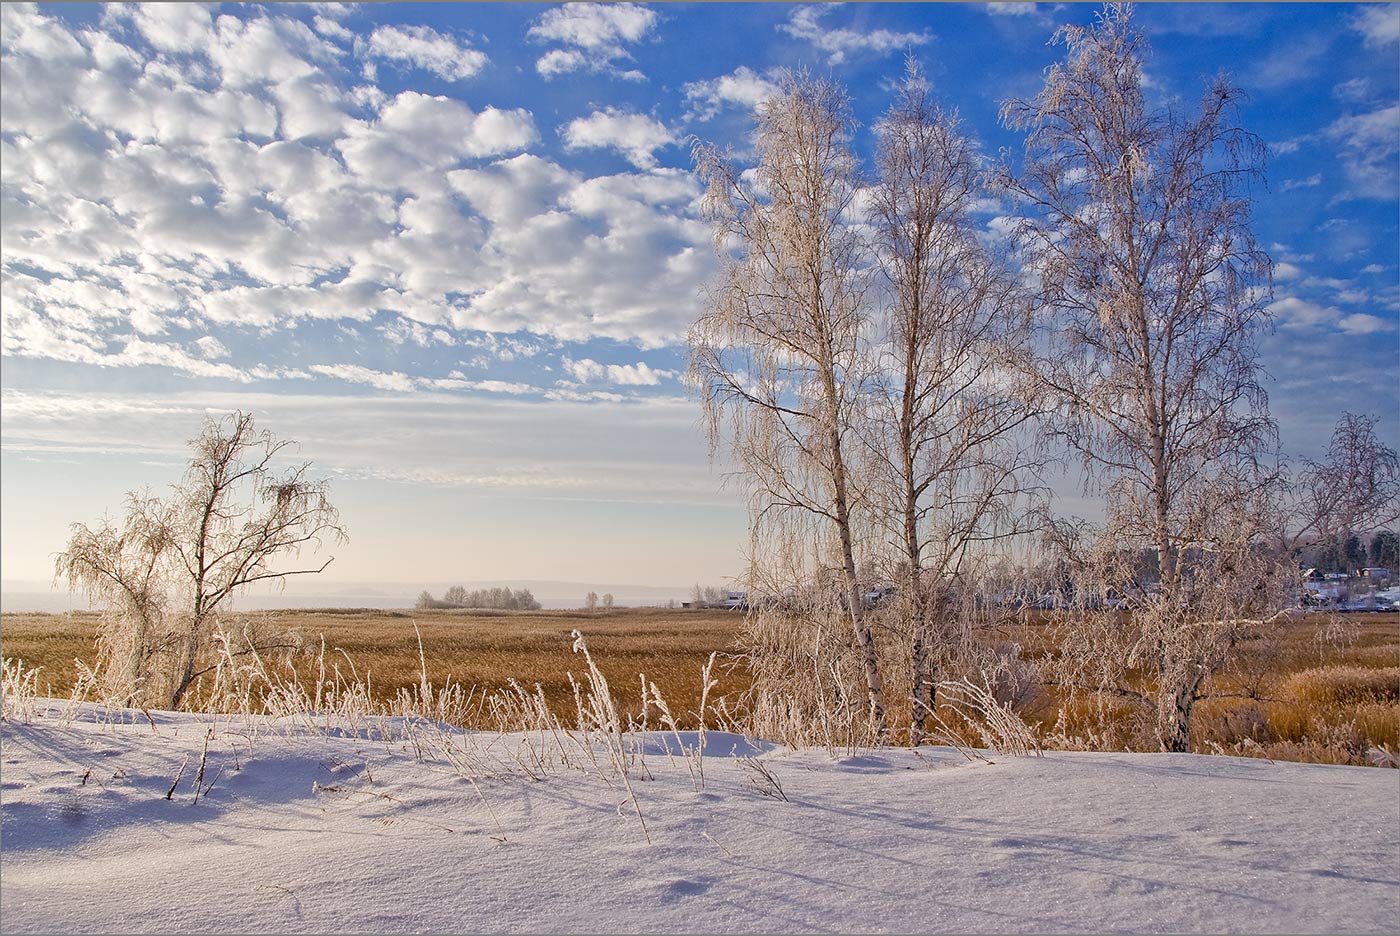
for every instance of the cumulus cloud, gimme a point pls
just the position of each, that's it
(839, 43)
(174, 27)
(426, 48)
(635, 136)
(593, 37)
(417, 132)
(145, 195)
(743, 87)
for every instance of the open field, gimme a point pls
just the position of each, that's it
(482, 649)
(1326, 691)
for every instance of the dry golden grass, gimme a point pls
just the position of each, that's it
(1325, 690)
(1319, 688)
(482, 649)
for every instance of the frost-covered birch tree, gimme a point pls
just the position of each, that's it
(778, 355)
(166, 573)
(1135, 221)
(948, 465)
(1355, 489)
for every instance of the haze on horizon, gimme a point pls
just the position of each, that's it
(453, 250)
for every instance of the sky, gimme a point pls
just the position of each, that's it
(453, 249)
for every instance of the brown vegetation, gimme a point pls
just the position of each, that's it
(1326, 690)
(480, 649)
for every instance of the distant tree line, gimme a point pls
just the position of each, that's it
(708, 596)
(497, 599)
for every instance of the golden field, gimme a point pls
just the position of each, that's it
(480, 649)
(1327, 689)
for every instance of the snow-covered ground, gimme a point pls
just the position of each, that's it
(444, 832)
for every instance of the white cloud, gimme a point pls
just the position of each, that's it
(560, 62)
(417, 133)
(1293, 312)
(1360, 323)
(1368, 148)
(1378, 24)
(402, 330)
(144, 196)
(1012, 9)
(1289, 146)
(485, 386)
(174, 27)
(1283, 270)
(594, 26)
(426, 48)
(635, 136)
(1295, 58)
(637, 375)
(743, 87)
(594, 34)
(585, 370)
(211, 348)
(805, 23)
(640, 374)
(1311, 181)
(354, 373)
(330, 28)
(1353, 91)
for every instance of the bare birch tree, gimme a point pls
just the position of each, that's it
(1355, 489)
(778, 354)
(949, 465)
(166, 573)
(1135, 220)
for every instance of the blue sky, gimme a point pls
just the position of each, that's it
(453, 248)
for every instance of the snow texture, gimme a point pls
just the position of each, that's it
(374, 828)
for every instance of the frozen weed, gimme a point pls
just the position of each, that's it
(18, 689)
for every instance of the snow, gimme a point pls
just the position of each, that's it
(391, 826)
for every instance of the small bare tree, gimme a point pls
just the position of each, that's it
(948, 466)
(607, 601)
(168, 570)
(590, 601)
(778, 355)
(1135, 220)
